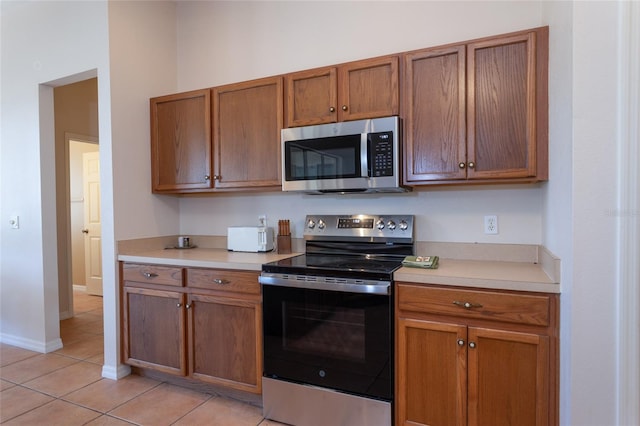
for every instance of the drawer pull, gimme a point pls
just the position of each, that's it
(221, 282)
(467, 305)
(149, 275)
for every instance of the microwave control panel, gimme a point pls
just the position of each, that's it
(380, 154)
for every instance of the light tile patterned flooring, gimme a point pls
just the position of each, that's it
(66, 388)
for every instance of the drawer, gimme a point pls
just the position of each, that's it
(152, 274)
(497, 306)
(224, 280)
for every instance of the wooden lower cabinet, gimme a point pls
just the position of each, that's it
(466, 370)
(224, 342)
(154, 329)
(209, 329)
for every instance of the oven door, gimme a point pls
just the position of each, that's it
(332, 339)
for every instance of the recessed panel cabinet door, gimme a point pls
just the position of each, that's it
(154, 326)
(181, 141)
(247, 124)
(508, 378)
(312, 97)
(435, 125)
(432, 376)
(368, 89)
(501, 118)
(225, 343)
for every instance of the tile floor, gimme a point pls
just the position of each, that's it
(66, 388)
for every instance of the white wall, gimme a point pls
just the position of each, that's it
(31, 52)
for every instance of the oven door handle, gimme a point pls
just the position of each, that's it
(322, 283)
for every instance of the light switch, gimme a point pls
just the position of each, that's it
(14, 221)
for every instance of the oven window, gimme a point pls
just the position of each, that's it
(335, 157)
(332, 331)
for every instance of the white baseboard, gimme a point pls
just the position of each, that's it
(115, 373)
(32, 345)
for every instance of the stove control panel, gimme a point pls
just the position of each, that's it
(359, 226)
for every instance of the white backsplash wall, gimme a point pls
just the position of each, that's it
(451, 214)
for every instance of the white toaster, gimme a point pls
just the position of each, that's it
(249, 238)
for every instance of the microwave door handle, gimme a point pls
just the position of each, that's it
(364, 155)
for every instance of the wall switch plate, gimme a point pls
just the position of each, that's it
(491, 224)
(14, 221)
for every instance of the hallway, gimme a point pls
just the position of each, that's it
(66, 388)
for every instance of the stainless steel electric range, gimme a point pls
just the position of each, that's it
(328, 322)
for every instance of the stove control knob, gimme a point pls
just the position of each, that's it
(380, 224)
(311, 224)
(403, 225)
(321, 224)
(391, 225)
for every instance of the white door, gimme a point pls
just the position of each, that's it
(92, 230)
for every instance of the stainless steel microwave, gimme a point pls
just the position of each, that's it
(347, 157)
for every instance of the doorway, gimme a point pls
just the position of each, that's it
(76, 133)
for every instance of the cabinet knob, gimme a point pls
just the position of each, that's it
(188, 305)
(462, 165)
(216, 177)
(149, 275)
(207, 177)
(179, 305)
(471, 164)
(472, 345)
(332, 109)
(344, 107)
(460, 342)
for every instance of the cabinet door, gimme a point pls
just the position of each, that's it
(311, 97)
(431, 373)
(247, 124)
(154, 329)
(368, 89)
(508, 378)
(434, 116)
(225, 341)
(181, 141)
(501, 120)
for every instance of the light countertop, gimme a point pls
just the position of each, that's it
(522, 276)
(491, 274)
(205, 258)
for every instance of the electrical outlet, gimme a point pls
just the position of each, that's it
(262, 220)
(14, 221)
(491, 224)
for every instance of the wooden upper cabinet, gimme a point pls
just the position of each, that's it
(501, 114)
(312, 97)
(434, 117)
(352, 91)
(477, 111)
(181, 141)
(368, 89)
(246, 133)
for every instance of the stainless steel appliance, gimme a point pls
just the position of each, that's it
(328, 322)
(351, 156)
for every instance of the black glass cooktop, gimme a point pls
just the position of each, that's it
(347, 266)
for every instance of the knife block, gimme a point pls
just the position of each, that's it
(284, 244)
